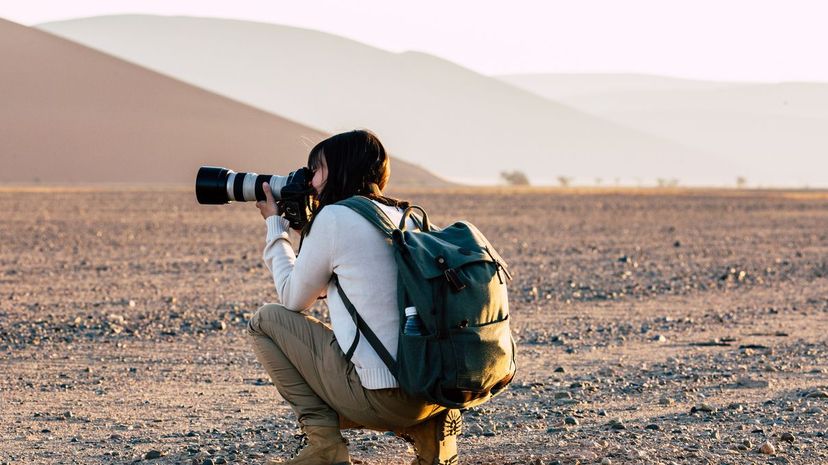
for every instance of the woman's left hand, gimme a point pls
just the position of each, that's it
(268, 207)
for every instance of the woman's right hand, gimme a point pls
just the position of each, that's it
(268, 207)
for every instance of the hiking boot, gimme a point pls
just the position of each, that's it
(435, 440)
(325, 446)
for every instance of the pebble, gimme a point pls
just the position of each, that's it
(617, 424)
(702, 408)
(788, 437)
(653, 427)
(767, 448)
(560, 370)
(606, 461)
(659, 338)
(752, 383)
(153, 454)
(571, 421)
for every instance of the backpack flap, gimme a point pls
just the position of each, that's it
(451, 248)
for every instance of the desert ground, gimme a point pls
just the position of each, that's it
(653, 327)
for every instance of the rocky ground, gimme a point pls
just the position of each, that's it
(654, 327)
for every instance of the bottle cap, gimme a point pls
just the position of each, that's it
(410, 311)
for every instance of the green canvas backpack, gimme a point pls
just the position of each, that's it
(456, 280)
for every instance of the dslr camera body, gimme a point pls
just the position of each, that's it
(293, 193)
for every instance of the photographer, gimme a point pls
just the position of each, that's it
(303, 356)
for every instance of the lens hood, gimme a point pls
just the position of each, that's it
(211, 185)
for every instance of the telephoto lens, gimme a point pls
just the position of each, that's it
(216, 185)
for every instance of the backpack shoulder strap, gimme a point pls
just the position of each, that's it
(371, 212)
(362, 327)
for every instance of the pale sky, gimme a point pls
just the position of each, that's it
(749, 40)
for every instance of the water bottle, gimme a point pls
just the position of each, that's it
(413, 323)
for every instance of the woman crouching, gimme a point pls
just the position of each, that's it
(304, 357)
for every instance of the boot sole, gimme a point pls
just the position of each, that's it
(452, 425)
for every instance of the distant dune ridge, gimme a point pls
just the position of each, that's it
(777, 133)
(450, 120)
(71, 114)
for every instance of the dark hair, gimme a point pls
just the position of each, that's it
(357, 165)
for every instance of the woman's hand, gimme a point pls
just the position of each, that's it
(267, 207)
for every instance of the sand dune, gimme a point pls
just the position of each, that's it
(775, 132)
(564, 86)
(73, 114)
(447, 118)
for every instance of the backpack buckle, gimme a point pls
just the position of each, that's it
(454, 281)
(451, 275)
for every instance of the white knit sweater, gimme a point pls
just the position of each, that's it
(342, 242)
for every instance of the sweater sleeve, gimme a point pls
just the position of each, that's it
(300, 280)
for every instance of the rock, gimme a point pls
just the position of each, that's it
(207, 461)
(752, 383)
(473, 429)
(767, 448)
(559, 370)
(707, 408)
(153, 454)
(617, 424)
(788, 437)
(589, 457)
(606, 461)
(571, 421)
(817, 394)
(218, 325)
(659, 338)
(562, 395)
(653, 427)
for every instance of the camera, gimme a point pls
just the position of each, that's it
(217, 186)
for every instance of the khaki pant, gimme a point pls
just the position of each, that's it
(309, 369)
